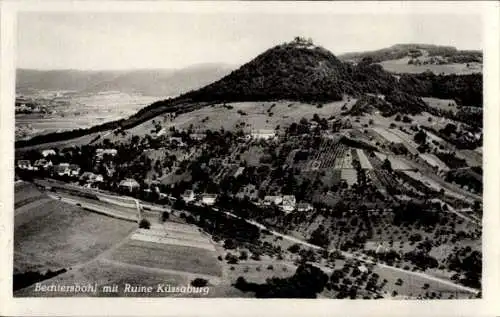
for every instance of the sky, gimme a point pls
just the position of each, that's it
(105, 41)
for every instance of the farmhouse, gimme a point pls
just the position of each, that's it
(208, 199)
(197, 136)
(87, 176)
(288, 204)
(99, 153)
(263, 134)
(362, 269)
(269, 200)
(188, 196)
(74, 170)
(177, 140)
(24, 164)
(62, 169)
(48, 152)
(43, 163)
(129, 184)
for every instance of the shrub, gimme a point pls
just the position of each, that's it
(199, 282)
(164, 216)
(243, 255)
(294, 248)
(144, 224)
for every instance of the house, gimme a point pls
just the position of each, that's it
(74, 170)
(208, 199)
(198, 136)
(239, 171)
(62, 169)
(288, 204)
(87, 176)
(24, 164)
(99, 153)
(263, 134)
(362, 269)
(177, 140)
(43, 163)
(129, 184)
(381, 249)
(303, 207)
(188, 196)
(269, 200)
(48, 152)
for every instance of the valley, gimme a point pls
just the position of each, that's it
(298, 175)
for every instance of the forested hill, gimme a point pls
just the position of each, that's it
(448, 53)
(298, 70)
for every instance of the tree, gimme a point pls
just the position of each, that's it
(387, 165)
(199, 282)
(420, 137)
(243, 255)
(164, 216)
(144, 224)
(295, 248)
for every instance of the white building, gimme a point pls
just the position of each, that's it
(74, 170)
(263, 134)
(208, 199)
(43, 163)
(289, 203)
(24, 164)
(188, 196)
(269, 200)
(99, 153)
(63, 169)
(48, 152)
(130, 184)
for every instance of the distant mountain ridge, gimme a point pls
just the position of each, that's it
(449, 53)
(148, 82)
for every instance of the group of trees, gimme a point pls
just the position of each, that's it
(307, 282)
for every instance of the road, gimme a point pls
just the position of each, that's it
(76, 199)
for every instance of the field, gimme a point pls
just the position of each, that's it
(251, 115)
(401, 66)
(442, 104)
(432, 160)
(26, 193)
(396, 163)
(57, 235)
(472, 158)
(413, 285)
(390, 137)
(177, 248)
(105, 273)
(363, 160)
(82, 111)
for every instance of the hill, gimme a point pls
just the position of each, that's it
(449, 54)
(302, 71)
(298, 70)
(148, 82)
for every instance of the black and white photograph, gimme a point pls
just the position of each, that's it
(249, 154)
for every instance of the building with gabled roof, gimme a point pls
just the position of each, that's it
(188, 196)
(208, 199)
(130, 184)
